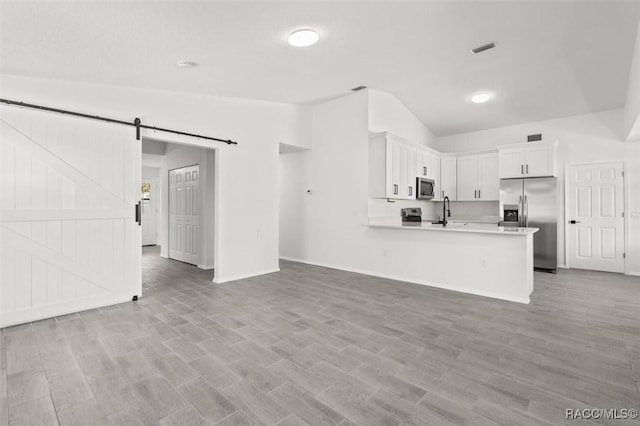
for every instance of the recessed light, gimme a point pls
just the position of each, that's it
(185, 64)
(480, 98)
(303, 38)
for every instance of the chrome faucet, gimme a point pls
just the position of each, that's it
(445, 210)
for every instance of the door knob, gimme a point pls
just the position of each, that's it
(573, 222)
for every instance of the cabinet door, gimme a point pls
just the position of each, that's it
(540, 161)
(423, 163)
(488, 178)
(409, 173)
(468, 178)
(435, 175)
(395, 168)
(511, 163)
(448, 178)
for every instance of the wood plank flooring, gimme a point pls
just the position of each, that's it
(315, 346)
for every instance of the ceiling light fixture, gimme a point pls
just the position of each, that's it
(303, 38)
(185, 64)
(480, 98)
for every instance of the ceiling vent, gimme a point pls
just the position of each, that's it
(483, 48)
(355, 89)
(534, 138)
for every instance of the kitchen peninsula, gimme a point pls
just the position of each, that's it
(482, 259)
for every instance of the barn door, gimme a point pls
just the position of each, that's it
(68, 236)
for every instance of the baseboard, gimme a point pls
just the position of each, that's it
(634, 273)
(563, 267)
(9, 319)
(476, 292)
(205, 267)
(243, 276)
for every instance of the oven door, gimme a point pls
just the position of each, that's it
(425, 189)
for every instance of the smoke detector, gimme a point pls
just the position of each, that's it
(185, 64)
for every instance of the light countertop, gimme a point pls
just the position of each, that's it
(483, 228)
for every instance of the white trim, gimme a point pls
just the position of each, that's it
(563, 267)
(625, 201)
(467, 290)
(39, 313)
(567, 261)
(205, 267)
(243, 276)
(636, 273)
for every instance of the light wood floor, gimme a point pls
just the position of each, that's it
(316, 346)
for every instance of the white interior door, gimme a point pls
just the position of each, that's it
(184, 214)
(68, 237)
(596, 239)
(149, 207)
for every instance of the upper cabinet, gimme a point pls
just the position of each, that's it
(477, 177)
(428, 166)
(535, 159)
(448, 178)
(392, 168)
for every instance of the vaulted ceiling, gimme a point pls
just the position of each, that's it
(552, 59)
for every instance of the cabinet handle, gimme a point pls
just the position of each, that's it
(478, 194)
(521, 169)
(527, 169)
(442, 193)
(410, 191)
(475, 193)
(395, 189)
(424, 170)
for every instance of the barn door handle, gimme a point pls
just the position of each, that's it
(139, 213)
(573, 222)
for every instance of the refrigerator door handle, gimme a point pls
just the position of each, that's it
(526, 211)
(520, 211)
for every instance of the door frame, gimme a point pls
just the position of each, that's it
(154, 180)
(625, 201)
(217, 166)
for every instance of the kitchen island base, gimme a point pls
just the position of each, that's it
(482, 260)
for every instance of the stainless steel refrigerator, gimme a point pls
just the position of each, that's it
(536, 200)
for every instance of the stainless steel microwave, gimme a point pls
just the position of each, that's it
(426, 189)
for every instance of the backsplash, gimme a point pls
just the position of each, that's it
(481, 211)
(383, 208)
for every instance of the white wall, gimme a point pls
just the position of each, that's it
(582, 139)
(388, 114)
(632, 105)
(247, 220)
(150, 172)
(329, 225)
(175, 157)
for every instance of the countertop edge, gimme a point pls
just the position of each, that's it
(499, 230)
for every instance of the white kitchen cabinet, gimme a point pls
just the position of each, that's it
(428, 164)
(488, 179)
(409, 154)
(448, 178)
(535, 159)
(467, 177)
(478, 177)
(392, 168)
